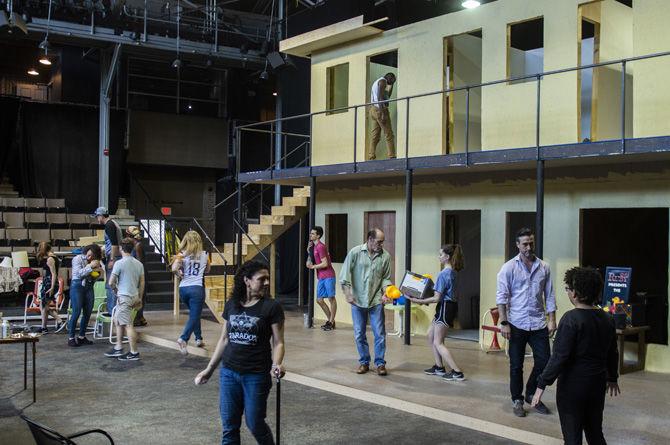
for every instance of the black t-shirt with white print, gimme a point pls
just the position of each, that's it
(249, 334)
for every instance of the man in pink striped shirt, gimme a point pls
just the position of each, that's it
(319, 260)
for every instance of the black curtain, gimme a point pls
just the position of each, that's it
(55, 154)
(288, 259)
(9, 111)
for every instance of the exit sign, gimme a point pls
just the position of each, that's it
(166, 211)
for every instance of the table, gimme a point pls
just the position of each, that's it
(25, 339)
(641, 348)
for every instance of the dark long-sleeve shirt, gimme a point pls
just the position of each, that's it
(585, 346)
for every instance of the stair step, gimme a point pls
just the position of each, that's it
(154, 265)
(152, 257)
(294, 201)
(272, 219)
(260, 229)
(283, 210)
(159, 285)
(302, 191)
(160, 297)
(158, 275)
(231, 248)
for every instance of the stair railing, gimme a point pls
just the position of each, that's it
(244, 232)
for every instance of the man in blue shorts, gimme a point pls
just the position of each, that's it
(319, 260)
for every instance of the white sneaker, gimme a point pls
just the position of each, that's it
(200, 343)
(182, 346)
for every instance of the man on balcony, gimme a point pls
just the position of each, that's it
(380, 116)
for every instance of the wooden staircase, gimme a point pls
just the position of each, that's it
(263, 235)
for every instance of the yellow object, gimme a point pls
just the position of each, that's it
(427, 275)
(393, 292)
(95, 274)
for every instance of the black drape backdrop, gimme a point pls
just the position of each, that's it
(54, 153)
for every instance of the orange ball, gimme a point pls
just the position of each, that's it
(395, 294)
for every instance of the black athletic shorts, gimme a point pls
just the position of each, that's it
(445, 313)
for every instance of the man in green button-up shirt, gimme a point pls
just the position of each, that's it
(365, 275)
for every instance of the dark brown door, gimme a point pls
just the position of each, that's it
(386, 222)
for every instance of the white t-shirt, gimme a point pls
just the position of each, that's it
(375, 89)
(194, 269)
(128, 271)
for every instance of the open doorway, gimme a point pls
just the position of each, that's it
(386, 222)
(636, 238)
(462, 66)
(377, 67)
(464, 227)
(588, 53)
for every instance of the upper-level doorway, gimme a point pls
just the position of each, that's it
(462, 66)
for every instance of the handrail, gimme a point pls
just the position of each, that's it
(463, 88)
(157, 245)
(249, 238)
(268, 168)
(146, 194)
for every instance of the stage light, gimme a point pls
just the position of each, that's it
(274, 94)
(265, 75)
(33, 72)
(176, 63)
(44, 60)
(18, 22)
(471, 4)
(190, 107)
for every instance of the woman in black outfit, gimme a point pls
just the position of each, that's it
(584, 360)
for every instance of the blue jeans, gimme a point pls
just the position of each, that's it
(246, 393)
(81, 302)
(539, 344)
(193, 297)
(360, 315)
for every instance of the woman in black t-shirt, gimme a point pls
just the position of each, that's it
(584, 360)
(251, 319)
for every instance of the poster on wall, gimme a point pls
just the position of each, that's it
(617, 284)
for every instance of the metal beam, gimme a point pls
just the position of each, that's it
(312, 223)
(408, 250)
(73, 31)
(107, 70)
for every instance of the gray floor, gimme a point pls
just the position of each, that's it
(154, 401)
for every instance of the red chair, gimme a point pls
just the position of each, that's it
(34, 304)
(494, 346)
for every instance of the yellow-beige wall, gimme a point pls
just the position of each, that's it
(508, 111)
(563, 201)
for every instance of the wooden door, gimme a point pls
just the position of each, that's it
(386, 222)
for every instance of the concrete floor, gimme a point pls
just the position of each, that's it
(154, 401)
(638, 416)
(324, 401)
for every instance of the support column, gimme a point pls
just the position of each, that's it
(278, 105)
(238, 259)
(539, 210)
(107, 71)
(273, 269)
(408, 250)
(312, 223)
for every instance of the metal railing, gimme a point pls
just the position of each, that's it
(466, 89)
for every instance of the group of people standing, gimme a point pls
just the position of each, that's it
(584, 358)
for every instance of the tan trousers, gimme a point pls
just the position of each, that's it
(381, 120)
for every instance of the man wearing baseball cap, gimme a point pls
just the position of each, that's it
(113, 236)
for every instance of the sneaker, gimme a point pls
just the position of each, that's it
(84, 341)
(454, 376)
(72, 343)
(129, 357)
(44, 331)
(327, 327)
(182, 346)
(200, 343)
(114, 353)
(540, 407)
(518, 408)
(435, 370)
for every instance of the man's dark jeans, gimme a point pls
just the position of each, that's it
(539, 344)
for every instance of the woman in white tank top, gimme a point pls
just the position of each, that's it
(190, 265)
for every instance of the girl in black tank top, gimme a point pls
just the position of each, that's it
(50, 286)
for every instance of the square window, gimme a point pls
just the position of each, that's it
(525, 48)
